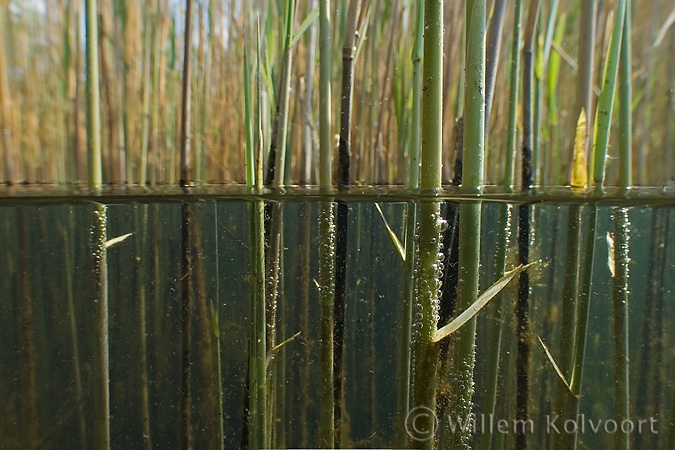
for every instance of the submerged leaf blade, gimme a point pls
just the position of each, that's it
(482, 300)
(392, 234)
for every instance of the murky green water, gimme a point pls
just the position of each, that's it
(50, 325)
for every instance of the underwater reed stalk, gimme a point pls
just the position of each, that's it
(651, 340)
(496, 323)
(100, 278)
(26, 351)
(570, 322)
(142, 250)
(93, 97)
(68, 261)
(215, 311)
(425, 351)
(326, 232)
(404, 366)
(348, 52)
(523, 304)
(186, 326)
(603, 115)
(582, 317)
(620, 328)
(461, 383)
(625, 100)
(186, 137)
(258, 431)
(514, 84)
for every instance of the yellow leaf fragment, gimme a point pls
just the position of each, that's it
(579, 168)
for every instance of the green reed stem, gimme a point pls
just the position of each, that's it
(514, 84)
(425, 351)
(585, 72)
(474, 100)
(93, 98)
(417, 53)
(603, 115)
(325, 138)
(404, 367)
(620, 328)
(432, 100)
(277, 156)
(258, 432)
(461, 384)
(497, 323)
(625, 99)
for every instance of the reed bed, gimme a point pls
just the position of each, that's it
(142, 60)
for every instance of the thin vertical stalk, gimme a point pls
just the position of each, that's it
(528, 95)
(186, 137)
(308, 132)
(5, 107)
(583, 314)
(100, 275)
(620, 328)
(147, 56)
(570, 321)
(404, 367)
(258, 431)
(348, 53)
(326, 232)
(93, 98)
(625, 99)
(186, 326)
(432, 100)
(523, 303)
(325, 138)
(603, 115)
(514, 84)
(494, 44)
(469, 218)
(585, 72)
(248, 125)
(215, 310)
(277, 155)
(425, 351)
(326, 299)
(26, 353)
(416, 56)
(68, 261)
(141, 219)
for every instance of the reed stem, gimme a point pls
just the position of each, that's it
(93, 98)
(603, 116)
(186, 134)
